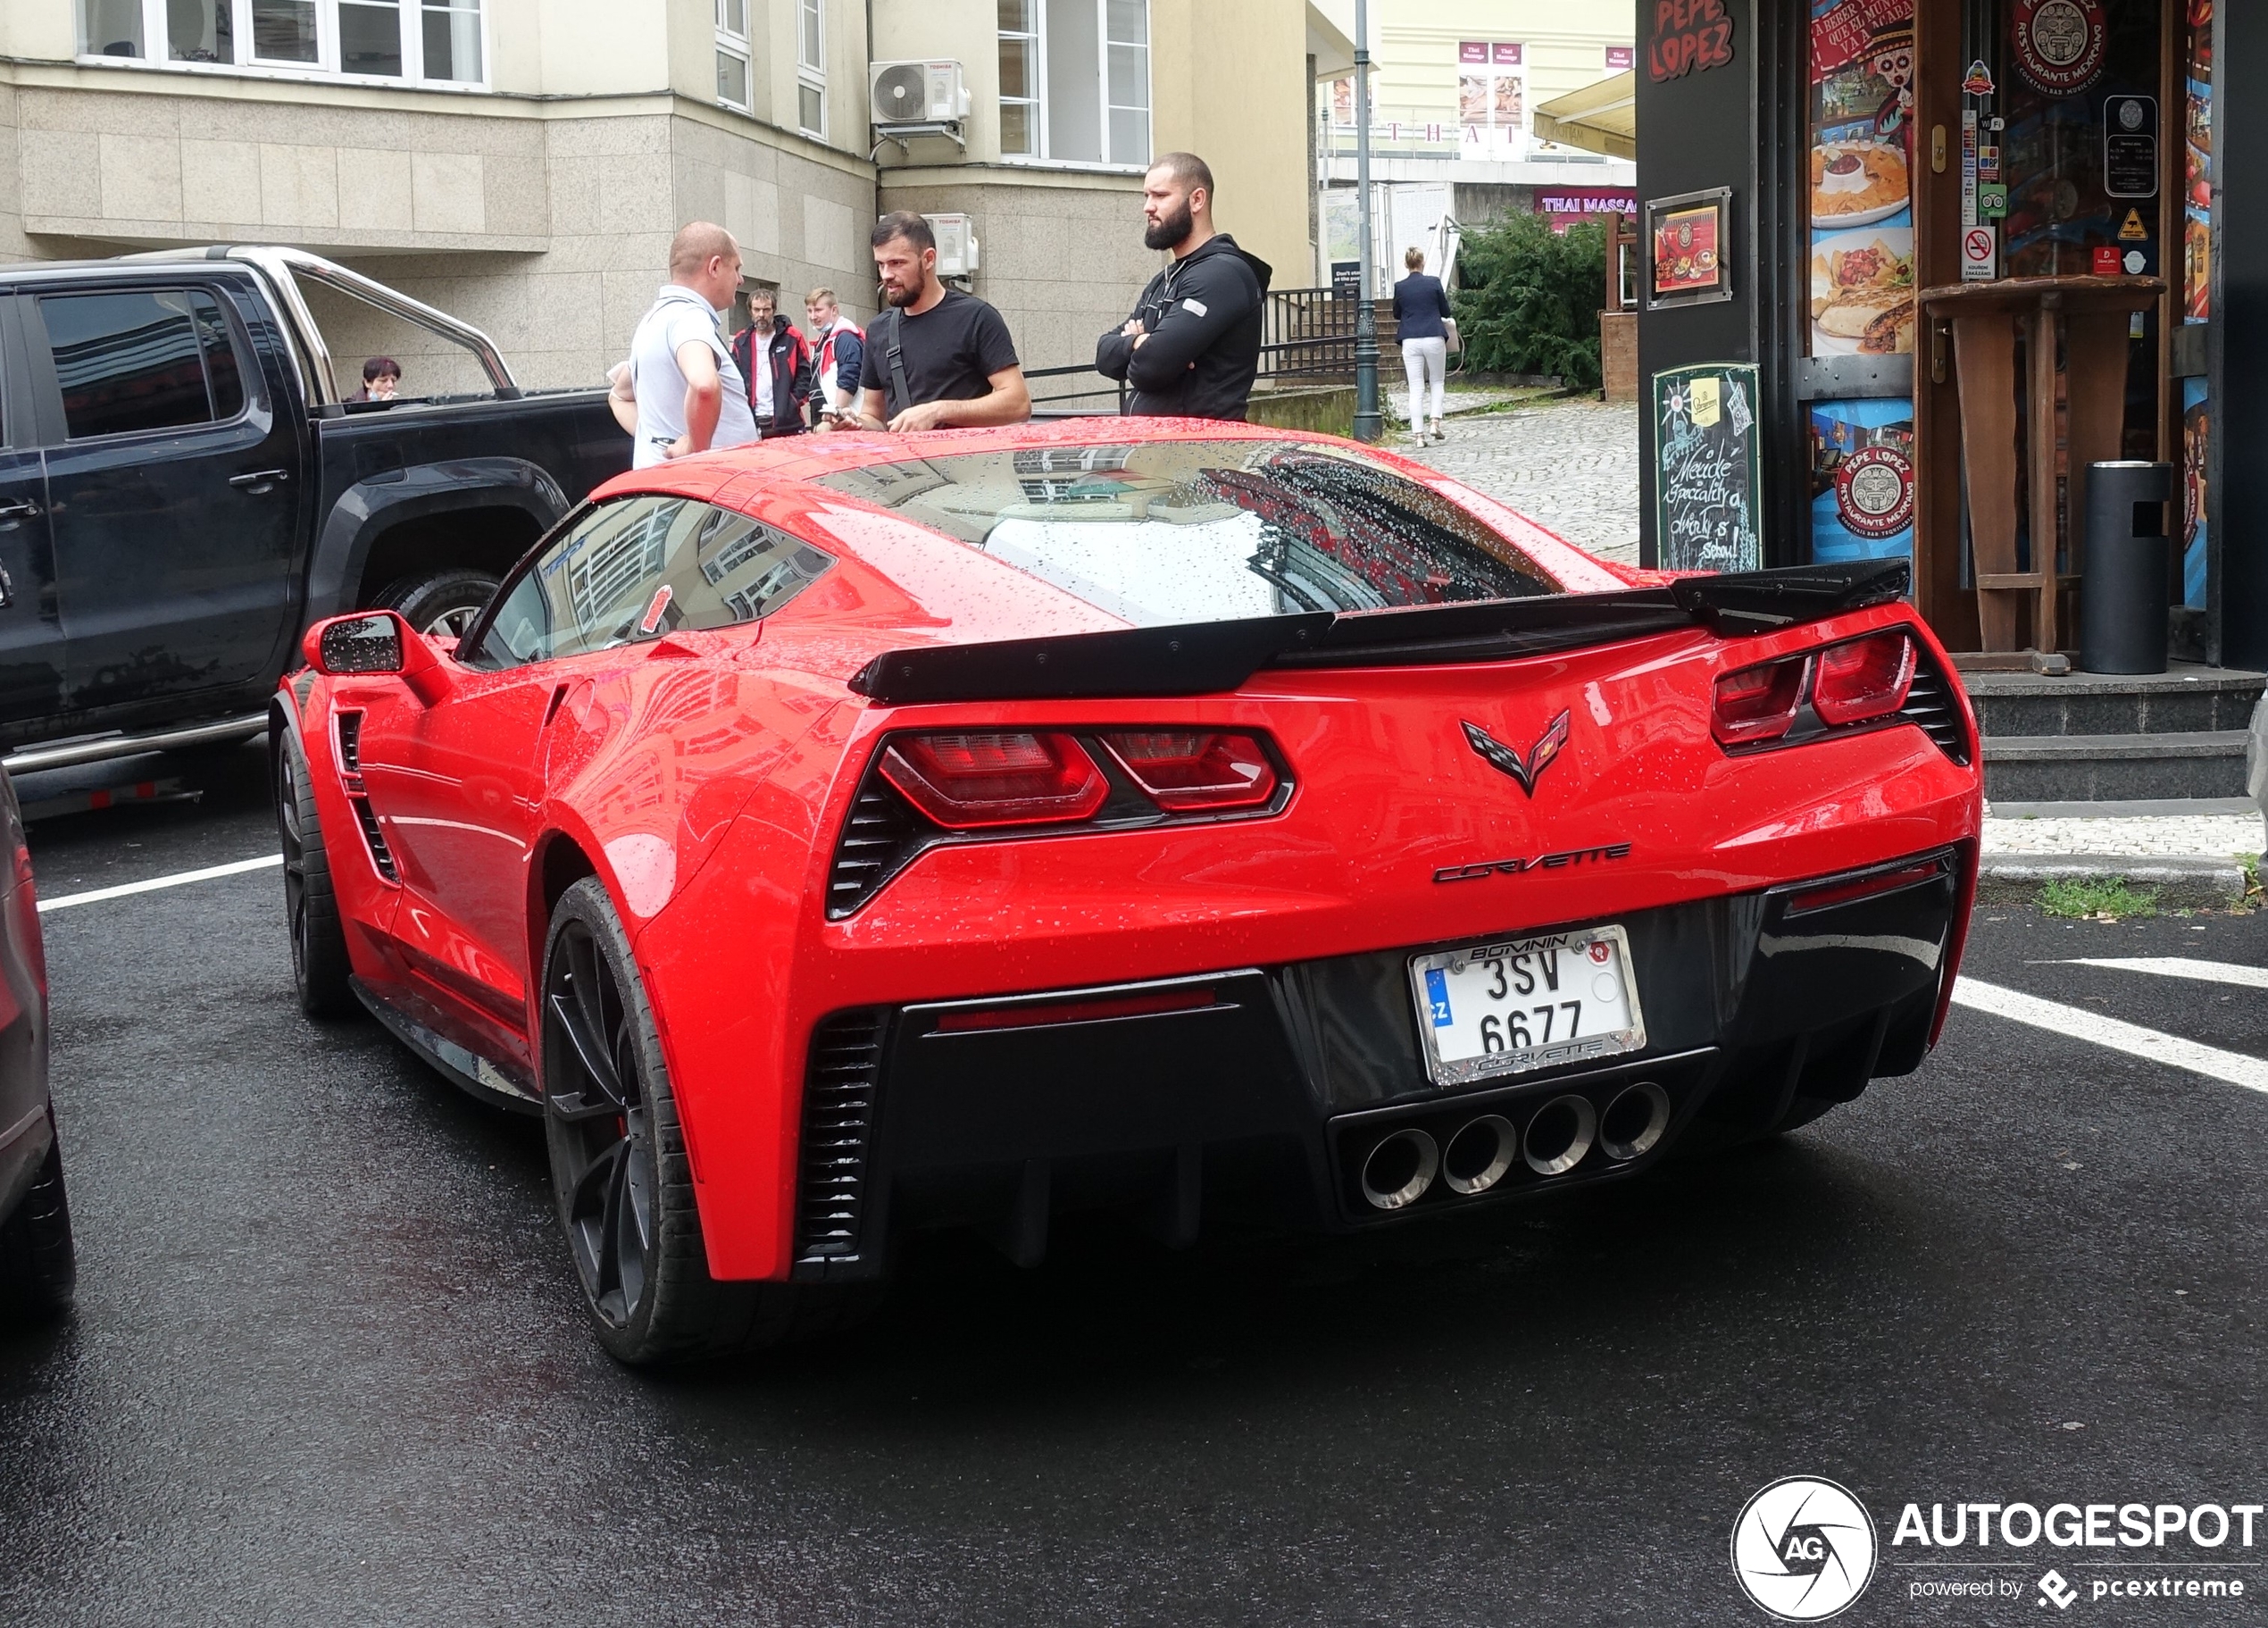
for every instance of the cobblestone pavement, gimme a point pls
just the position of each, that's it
(2202, 836)
(1568, 465)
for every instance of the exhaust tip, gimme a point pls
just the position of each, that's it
(1560, 1134)
(1479, 1155)
(1634, 1121)
(1398, 1171)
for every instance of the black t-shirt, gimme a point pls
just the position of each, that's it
(949, 352)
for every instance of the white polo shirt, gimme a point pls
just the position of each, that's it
(677, 317)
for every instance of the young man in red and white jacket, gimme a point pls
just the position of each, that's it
(840, 346)
(779, 387)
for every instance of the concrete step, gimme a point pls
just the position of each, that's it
(2115, 767)
(2185, 697)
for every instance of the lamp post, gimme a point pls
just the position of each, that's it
(1368, 425)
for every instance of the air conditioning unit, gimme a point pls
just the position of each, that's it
(917, 93)
(956, 238)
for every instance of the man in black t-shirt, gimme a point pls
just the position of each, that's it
(936, 358)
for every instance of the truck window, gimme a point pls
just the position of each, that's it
(638, 567)
(142, 359)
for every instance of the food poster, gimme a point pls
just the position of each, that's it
(1862, 154)
(1862, 480)
(1708, 468)
(1685, 250)
(2196, 189)
(2197, 429)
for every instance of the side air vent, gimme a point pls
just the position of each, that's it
(350, 743)
(1930, 704)
(841, 1085)
(882, 834)
(382, 855)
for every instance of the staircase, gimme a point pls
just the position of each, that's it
(2090, 738)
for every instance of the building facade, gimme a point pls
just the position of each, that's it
(522, 163)
(1453, 93)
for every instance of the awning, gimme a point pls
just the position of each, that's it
(1601, 118)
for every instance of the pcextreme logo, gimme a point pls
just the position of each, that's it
(1803, 1548)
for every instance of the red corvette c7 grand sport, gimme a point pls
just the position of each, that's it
(1198, 821)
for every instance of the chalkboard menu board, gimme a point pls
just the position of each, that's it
(1707, 467)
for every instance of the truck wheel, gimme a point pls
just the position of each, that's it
(38, 1268)
(619, 1169)
(441, 603)
(319, 963)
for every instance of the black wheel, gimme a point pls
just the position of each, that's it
(38, 1268)
(442, 602)
(619, 1169)
(319, 963)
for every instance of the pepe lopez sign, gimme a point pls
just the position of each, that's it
(1688, 37)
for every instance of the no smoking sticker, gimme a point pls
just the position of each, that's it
(1980, 255)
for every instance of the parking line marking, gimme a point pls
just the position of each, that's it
(2182, 966)
(179, 879)
(2230, 1067)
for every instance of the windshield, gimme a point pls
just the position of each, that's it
(1174, 531)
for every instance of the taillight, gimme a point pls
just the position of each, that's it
(1758, 703)
(1863, 679)
(971, 782)
(1189, 770)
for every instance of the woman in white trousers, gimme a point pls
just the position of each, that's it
(1420, 310)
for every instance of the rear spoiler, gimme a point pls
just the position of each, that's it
(1209, 657)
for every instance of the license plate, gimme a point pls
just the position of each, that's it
(1526, 1004)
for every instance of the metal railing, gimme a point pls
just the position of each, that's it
(1305, 334)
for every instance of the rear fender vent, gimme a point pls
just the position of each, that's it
(841, 1088)
(883, 835)
(1931, 704)
(382, 855)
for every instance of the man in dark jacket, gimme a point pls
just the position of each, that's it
(1192, 346)
(777, 389)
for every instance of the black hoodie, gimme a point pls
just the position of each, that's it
(1203, 315)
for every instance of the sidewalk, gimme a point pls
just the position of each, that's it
(1568, 465)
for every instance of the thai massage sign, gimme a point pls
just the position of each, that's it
(1687, 36)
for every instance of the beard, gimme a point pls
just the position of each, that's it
(901, 297)
(1169, 231)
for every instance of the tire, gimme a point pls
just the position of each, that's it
(439, 602)
(38, 1267)
(318, 963)
(619, 1175)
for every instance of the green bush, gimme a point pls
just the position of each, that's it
(1530, 299)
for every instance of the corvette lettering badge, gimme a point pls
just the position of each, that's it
(1540, 861)
(1498, 756)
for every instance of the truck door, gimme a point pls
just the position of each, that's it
(31, 630)
(173, 481)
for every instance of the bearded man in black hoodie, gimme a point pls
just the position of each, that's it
(1192, 346)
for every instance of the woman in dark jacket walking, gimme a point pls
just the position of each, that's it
(1421, 306)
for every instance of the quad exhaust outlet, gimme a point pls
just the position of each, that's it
(1634, 1121)
(1403, 1165)
(1399, 1169)
(1479, 1155)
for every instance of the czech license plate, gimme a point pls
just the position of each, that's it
(1527, 1004)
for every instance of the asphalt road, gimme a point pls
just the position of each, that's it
(329, 1364)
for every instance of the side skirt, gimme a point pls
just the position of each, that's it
(495, 1083)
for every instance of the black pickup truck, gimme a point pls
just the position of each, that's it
(184, 487)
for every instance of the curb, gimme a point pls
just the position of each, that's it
(2181, 881)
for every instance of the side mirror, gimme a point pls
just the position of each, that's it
(374, 642)
(367, 641)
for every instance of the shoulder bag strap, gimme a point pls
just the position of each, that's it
(901, 393)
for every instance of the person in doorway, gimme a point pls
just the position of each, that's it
(1192, 348)
(381, 379)
(837, 353)
(1421, 317)
(936, 358)
(682, 384)
(774, 360)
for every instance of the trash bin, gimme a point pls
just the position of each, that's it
(2124, 586)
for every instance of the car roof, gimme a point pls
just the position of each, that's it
(721, 475)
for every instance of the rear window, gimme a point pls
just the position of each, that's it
(1175, 531)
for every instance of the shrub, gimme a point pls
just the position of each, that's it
(1529, 302)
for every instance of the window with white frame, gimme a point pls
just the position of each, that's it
(431, 42)
(1075, 81)
(811, 67)
(733, 56)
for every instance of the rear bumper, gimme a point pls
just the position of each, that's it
(1264, 1103)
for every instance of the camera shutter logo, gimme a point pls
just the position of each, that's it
(1803, 1548)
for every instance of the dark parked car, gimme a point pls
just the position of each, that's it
(36, 1268)
(185, 486)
